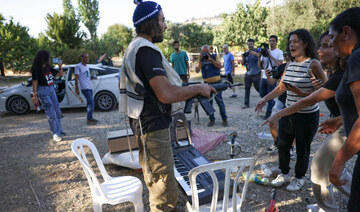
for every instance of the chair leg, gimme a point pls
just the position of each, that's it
(139, 206)
(97, 207)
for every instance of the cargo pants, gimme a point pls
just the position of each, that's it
(158, 171)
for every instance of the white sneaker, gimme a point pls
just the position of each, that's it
(272, 148)
(292, 154)
(295, 184)
(280, 180)
(57, 138)
(314, 208)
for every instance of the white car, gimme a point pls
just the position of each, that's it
(18, 98)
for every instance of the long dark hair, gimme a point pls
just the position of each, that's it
(305, 36)
(42, 58)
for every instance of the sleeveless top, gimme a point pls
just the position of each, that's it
(297, 75)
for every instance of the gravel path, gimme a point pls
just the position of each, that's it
(35, 167)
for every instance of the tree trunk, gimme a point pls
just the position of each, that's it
(2, 68)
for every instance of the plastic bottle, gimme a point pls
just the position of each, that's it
(266, 170)
(37, 107)
(265, 136)
(256, 178)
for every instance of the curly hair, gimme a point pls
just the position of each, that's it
(307, 39)
(42, 57)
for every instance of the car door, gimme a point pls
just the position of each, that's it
(95, 79)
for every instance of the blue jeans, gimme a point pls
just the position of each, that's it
(50, 104)
(88, 93)
(220, 103)
(266, 88)
(251, 79)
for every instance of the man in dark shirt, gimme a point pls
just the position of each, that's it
(152, 126)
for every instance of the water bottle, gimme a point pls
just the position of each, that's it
(265, 136)
(266, 170)
(37, 107)
(258, 179)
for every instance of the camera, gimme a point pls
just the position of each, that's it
(263, 49)
(275, 72)
(205, 55)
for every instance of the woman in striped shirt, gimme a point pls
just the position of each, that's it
(301, 125)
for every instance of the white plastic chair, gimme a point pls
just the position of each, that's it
(113, 190)
(223, 205)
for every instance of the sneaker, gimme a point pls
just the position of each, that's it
(225, 123)
(91, 122)
(57, 138)
(233, 96)
(245, 106)
(211, 123)
(95, 120)
(314, 208)
(271, 148)
(280, 180)
(295, 184)
(292, 154)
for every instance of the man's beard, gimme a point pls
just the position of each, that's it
(157, 38)
(176, 49)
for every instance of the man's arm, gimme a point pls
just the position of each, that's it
(198, 66)
(188, 68)
(260, 63)
(167, 93)
(277, 62)
(76, 84)
(233, 67)
(215, 63)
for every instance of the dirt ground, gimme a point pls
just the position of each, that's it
(38, 174)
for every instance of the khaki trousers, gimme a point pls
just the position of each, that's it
(159, 175)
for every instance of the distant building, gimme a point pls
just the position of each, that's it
(210, 21)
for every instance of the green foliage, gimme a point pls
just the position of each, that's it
(64, 30)
(90, 15)
(116, 39)
(73, 56)
(17, 47)
(248, 21)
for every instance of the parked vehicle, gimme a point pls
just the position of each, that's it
(18, 98)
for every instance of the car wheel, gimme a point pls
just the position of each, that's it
(105, 101)
(18, 105)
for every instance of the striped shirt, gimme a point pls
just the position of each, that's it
(297, 75)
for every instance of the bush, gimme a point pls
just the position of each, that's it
(73, 56)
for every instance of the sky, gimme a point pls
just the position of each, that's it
(31, 13)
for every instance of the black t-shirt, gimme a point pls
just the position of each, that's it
(44, 75)
(281, 69)
(148, 65)
(344, 97)
(333, 84)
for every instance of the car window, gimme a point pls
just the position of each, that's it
(71, 74)
(94, 72)
(108, 70)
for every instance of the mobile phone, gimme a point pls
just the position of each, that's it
(56, 60)
(288, 84)
(311, 74)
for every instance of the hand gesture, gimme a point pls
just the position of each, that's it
(77, 92)
(35, 101)
(330, 126)
(273, 119)
(316, 83)
(260, 105)
(268, 73)
(294, 89)
(335, 173)
(205, 90)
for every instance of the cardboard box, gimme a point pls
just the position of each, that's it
(118, 141)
